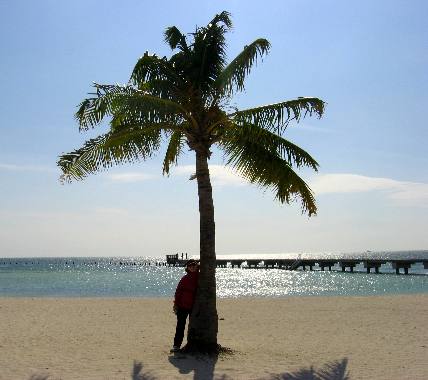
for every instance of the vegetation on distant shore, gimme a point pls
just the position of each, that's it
(185, 101)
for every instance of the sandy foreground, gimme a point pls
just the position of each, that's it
(297, 338)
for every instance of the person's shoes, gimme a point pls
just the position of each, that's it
(175, 349)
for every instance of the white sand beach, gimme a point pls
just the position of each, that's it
(376, 337)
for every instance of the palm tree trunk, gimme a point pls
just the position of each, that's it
(203, 324)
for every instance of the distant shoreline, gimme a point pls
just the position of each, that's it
(304, 254)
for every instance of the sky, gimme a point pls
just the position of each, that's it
(367, 60)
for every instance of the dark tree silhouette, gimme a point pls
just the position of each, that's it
(185, 101)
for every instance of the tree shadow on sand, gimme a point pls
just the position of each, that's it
(203, 369)
(331, 371)
(201, 365)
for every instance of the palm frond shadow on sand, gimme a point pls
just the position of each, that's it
(203, 369)
(139, 374)
(330, 371)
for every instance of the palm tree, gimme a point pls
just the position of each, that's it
(185, 101)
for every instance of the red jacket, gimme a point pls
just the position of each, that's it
(186, 291)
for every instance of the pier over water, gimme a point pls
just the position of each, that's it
(344, 264)
(400, 262)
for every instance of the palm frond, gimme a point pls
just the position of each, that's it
(150, 68)
(286, 150)
(223, 17)
(110, 149)
(174, 38)
(162, 88)
(233, 76)
(175, 147)
(209, 52)
(277, 116)
(93, 110)
(143, 108)
(266, 168)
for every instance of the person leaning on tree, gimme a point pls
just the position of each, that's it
(184, 299)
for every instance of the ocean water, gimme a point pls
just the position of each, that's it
(142, 277)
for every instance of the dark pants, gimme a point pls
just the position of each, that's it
(182, 315)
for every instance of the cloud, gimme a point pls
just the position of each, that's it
(337, 183)
(405, 191)
(350, 183)
(220, 175)
(27, 168)
(111, 211)
(129, 177)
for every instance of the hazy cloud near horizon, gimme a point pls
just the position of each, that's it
(329, 183)
(411, 192)
(28, 168)
(322, 184)
(332, 183)
(220, 175)
(130, 177)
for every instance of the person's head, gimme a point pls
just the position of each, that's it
(192, 266)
